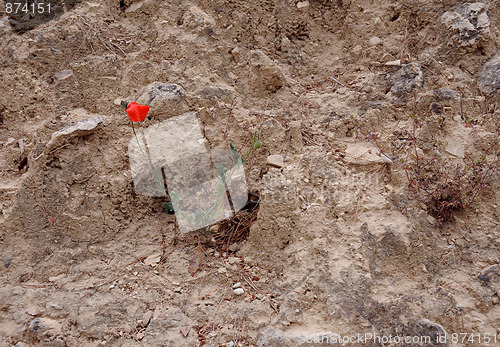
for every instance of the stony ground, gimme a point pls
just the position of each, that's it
(340, 244)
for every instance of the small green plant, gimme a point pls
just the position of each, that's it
(210, 214)
(224, 232)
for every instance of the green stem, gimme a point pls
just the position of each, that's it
(158, 180)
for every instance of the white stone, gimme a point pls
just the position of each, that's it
(64, 74)
(82, 128)
(302, 4)
(233, 260)
(394, 63)
(236, 54)
(153, 259)
(238, 291)
(374, 41)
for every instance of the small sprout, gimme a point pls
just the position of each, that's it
(256, 140)
(221, 171)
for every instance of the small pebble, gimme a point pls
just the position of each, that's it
(431, 220)
(237, 285)
(236, 54)
(33, 311)
(394, 63)
(232, 267)
(275, 160)
(64, 74)
(10, 141)
(386, 158)
(233, 260)
(238, 291)
(56, 306)
(374, 41)
(36, 325)
(248, 259)
(7, 260)
(56, 278)
(302, 4)
(234, 248)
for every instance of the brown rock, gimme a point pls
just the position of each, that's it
(275, 160)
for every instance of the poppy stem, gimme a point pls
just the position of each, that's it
(158, 179)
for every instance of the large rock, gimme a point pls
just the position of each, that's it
(489, 78)
(363, 153)
(408, 78)
(45, 326)
(164, 99)
(466, 30)
(468, 22)
(266, 74)
(82, 128)
(441, 94)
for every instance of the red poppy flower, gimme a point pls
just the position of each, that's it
(136, 112)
